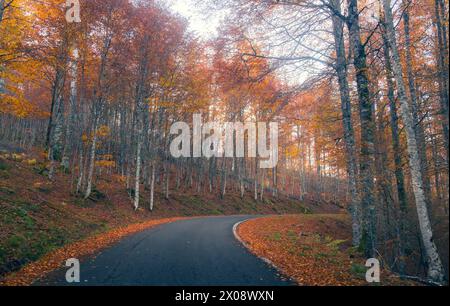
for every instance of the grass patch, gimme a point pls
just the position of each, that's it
(276, 236)
(4, 166)
(358, 270)
(7, 190)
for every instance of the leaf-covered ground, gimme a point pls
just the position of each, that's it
(314, 250)
(39, 216)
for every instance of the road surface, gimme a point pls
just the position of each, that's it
(195, 252)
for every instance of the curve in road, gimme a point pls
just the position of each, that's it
(194, 252)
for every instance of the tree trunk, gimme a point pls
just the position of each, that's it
(152, 186)
(256, 180)
(349, 135)
(262, 184)
(56, 136)
(70, 139)
(367, 131)
(435, 268)
(98, 109)
(137, 177)
(442, 60)
(399, 176)
(2, 9)
(223, 179)
(419, 131)
(92, 160)
(56, 120)
(81, 171)
(166, 179)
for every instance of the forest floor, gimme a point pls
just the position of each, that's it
(314, 250)
(38, 216)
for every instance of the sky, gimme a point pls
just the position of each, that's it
(205, 26)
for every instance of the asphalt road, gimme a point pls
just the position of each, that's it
(196, 252)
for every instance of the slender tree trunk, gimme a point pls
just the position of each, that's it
(137, 178)
(140, 113)
(256, 180)
(442, 60)
(2, 9)
(55, 125)
(2, 12)
(399, 176)
(152, 186)
(92, 160)
(435, 268)
(437, 181)
(349, 135)
(263, 178)
(69, 145)
(419, 131)
(56, 136)
(242, 177)
(367, 131)
(167, 179)
(81, 171)
(2, 81)
(275, 181)
(223, 179)
(98, 109)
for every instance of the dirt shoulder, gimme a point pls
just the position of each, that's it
(314, 250)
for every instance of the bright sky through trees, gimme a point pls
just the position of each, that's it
(201, 24)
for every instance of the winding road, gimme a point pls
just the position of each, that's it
(195, 252)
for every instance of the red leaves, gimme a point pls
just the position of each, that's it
(314, 250)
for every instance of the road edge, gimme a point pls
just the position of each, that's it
(54, 260)
(264, 259)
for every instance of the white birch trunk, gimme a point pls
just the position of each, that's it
(152, 188)
(81, 171)
(91, 165)
(138, 174)
(435, 268)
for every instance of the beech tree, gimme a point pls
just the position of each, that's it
(435, 269)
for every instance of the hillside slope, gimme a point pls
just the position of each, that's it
(38, 215)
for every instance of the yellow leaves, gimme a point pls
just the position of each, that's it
(18, 157)
(14, 102)
(85, 138)
(15, 70)
(119, 178)
(107, 157)
(103, 131)
(156, 102)
(167, 82)
(105, 161)
(31, 162)
(293, 152)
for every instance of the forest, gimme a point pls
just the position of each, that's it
(359, 88)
